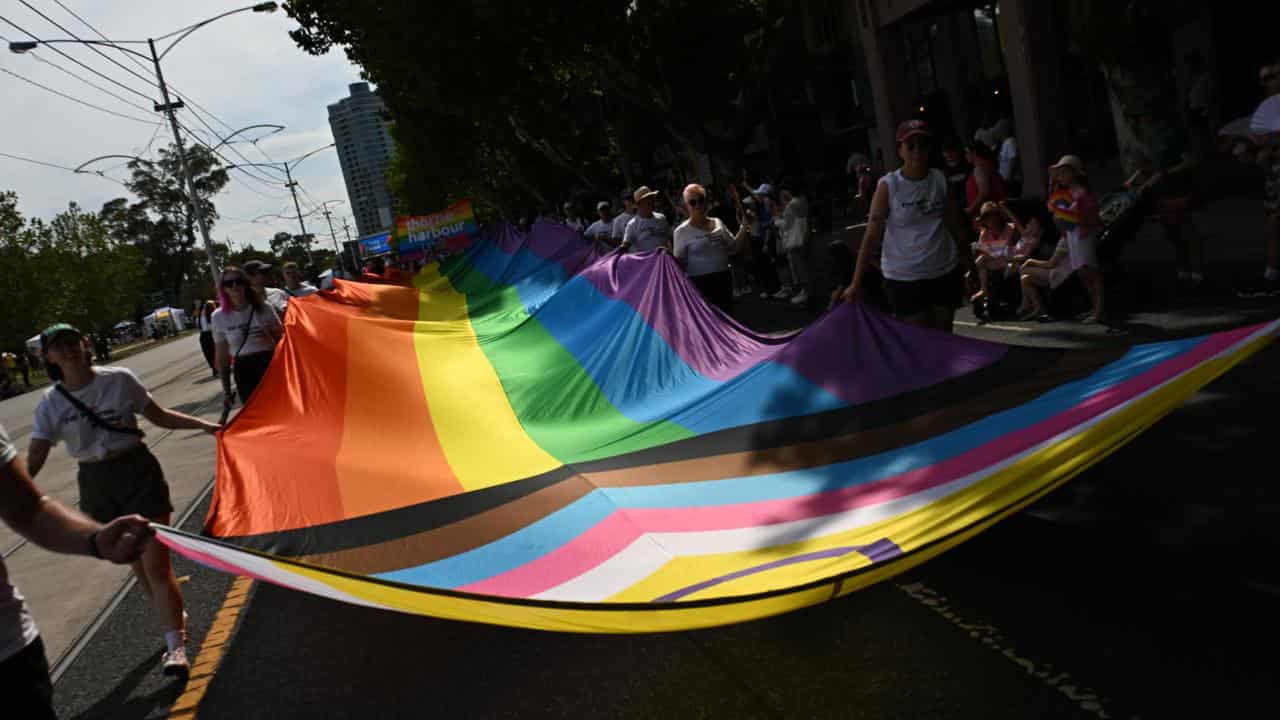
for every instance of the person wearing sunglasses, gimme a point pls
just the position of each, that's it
(245, 331)
(917, 231)
(93, 412)
(703, 246)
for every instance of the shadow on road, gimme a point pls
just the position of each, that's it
(121, 704)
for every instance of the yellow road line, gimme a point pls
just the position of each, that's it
(211, 651)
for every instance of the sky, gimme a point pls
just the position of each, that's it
(244, 69)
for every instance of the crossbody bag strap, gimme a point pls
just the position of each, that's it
(248, 328)
(97, 421)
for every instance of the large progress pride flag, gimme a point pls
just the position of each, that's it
(541, 436)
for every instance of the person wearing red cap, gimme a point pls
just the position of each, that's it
(916, 227)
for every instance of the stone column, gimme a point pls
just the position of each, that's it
(886, 65)
(1031, 55)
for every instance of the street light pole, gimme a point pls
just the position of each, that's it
(167, 106)
(168, 109)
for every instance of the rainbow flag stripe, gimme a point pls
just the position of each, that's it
(537, 435)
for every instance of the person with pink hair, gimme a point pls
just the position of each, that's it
(245, 331)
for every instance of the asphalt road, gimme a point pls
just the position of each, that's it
(1145, 588)
(67, 592)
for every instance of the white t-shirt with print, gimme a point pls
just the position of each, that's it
(619, 227)
(114, 394)
(644, 234)
(17, 627)
(263, 334)
(703, 251)
(303, 290)
(600, 231)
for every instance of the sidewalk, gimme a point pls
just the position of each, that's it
(1147, 306)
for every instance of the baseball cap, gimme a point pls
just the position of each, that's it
(603, 205)
(764, 189)
(256, 266)
(911, 128)
(53, 331)
(628, 194)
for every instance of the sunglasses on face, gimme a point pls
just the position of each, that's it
(696, 201)
(916, 145)
(234, 282)
(1264, 79)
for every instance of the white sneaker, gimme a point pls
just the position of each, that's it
(801, 298)
(782, 294)
(175, 662)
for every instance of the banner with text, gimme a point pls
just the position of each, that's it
(439, 233)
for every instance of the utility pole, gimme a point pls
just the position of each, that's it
(168, 108)
(293, 188)
(332, 235)
(355, 259)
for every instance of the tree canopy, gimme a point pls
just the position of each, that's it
(69, 269)
(160, 222)
(504, 102)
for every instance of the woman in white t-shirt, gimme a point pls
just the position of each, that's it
(93, 413)
(245, 332)
(917, 228)
(703, 246)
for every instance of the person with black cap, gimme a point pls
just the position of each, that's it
(916, 229)
(601, 230)
(259, 273)
(619, 227)
(93, 412)
(648, 230)
(245, 331)
(25, 685)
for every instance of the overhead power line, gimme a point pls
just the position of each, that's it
(94, 48)
(95, 71)
(177, 92)
(81, 78)
(77, 100)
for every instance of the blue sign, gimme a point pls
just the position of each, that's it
(379, 244)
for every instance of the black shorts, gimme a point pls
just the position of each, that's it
(25, 687)
(125, 484)
(907, 298)
(717, 288)
(248, 371)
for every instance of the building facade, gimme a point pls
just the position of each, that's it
(364, 150)
(964, 64)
